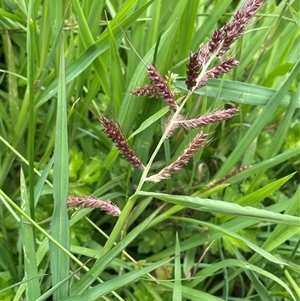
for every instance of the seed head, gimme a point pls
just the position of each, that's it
(224, 66)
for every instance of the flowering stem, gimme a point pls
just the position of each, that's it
(177, 112)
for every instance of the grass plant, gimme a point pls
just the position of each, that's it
(149, 150)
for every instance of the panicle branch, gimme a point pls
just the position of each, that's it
(224, 66)
(228, 176)
(205, 120)
(199, 141)
(146, 90)
(117, 137)
(88, 202)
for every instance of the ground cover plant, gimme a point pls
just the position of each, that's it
(149, 150)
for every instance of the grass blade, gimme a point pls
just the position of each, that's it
(30, 264)
(209, 205)
(59, 227)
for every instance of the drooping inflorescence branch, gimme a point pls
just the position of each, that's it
(198, 142)
(88, 202)
(117, 137)
(218, 45)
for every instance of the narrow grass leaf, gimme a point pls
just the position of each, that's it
(177, 292)
(107, 257)
(167, 47)
(101, 289)
(91, 53)
(258, 124)
(278, 137)
(193, 294)
(261, 290)
(209, 205)
(116, 76)
(265, 165)
(41, 182)
(88, 40)
(152, 119)
(49, 59)
(243, 93)
(295, 14)
(188, 292)
(253, 199)
(30, 47)
(151, 289)
(282, 233)
(53, 289)
(28, 240)
(59, 227)
(225, 231)
(234, 225)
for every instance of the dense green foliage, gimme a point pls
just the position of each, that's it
(207, 232)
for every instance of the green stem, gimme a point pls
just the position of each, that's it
(119, 225)
(178, 110)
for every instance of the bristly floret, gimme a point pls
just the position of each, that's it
(210, 118)
(146, 90)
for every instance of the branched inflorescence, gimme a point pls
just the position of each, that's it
(198, 73)
(198, 142)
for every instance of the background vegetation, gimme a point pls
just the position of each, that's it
(182, 238)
